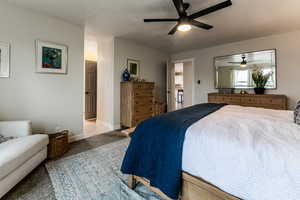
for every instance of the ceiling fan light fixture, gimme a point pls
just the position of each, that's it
(243, 65)
(244, 62)
(184, 27)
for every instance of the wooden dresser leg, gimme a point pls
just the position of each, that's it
(132, 181)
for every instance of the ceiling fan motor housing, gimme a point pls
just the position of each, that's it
(184, 20)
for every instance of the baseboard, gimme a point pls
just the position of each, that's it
(110, 127)
(117, 126)
(76, 137)
(106, 124)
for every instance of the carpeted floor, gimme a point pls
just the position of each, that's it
(37, 185)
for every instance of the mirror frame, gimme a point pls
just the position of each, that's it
(249, 88)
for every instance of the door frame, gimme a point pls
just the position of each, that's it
(174, 61)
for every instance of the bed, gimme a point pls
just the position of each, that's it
(231, 152)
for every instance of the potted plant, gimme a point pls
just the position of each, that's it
(260, 79)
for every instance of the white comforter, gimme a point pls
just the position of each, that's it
(251, 153)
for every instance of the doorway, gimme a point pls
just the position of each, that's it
(91, 117)
(180, 84)
(90, 90)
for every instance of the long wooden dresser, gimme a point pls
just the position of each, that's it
(137, 102)
(270, 101)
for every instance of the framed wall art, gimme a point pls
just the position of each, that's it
(51, 57)
(4, 59)
(133, 67)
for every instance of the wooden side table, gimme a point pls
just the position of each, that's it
(58, 144)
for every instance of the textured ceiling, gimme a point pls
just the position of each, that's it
(246, 19)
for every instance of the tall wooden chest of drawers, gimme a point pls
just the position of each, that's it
(137, 102)
(270, 101)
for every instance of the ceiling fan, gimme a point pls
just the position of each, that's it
(185, 21)
(243, 63)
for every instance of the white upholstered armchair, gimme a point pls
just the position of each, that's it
(19, 156)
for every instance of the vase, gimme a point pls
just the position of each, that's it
(259, 90)
(126, 75)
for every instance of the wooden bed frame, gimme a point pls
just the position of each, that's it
(193, 188)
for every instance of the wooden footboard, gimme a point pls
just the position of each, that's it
(133, 180)
(193, 188)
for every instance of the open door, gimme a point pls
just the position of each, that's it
(170, 86)
(90, 90)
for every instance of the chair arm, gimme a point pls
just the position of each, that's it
(15, 128)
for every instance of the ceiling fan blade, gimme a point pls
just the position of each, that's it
(173, 30)
(201, 25)
(160, 20)
(211, 9)
(179, 7)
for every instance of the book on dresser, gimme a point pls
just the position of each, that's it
(270, 101)
(137, 102)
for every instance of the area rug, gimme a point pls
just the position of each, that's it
(95, 175)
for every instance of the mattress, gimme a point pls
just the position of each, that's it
(251, 153)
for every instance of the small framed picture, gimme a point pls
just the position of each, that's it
(4, 59)
(133, 67)
(51, 57)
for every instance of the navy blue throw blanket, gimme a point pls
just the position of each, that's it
(155, 150)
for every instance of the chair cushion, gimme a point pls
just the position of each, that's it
(297, 113)
(14, 153)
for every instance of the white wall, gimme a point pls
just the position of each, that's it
(105, 93)
(188, 83)
(152, 68)
(49, 100)
(288, 63)
(90, 50)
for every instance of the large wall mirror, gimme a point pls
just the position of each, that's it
(235, 71)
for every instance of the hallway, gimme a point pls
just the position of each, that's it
(91, 128)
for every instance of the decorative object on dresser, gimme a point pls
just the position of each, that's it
(260, 79)
(126, 75)
(270, 101)
(4, 59)
(58, 144)
(137, 102)
(243, 92)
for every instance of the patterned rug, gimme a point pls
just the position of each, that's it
(95, 175)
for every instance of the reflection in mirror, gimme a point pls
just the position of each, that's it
(235, 71)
